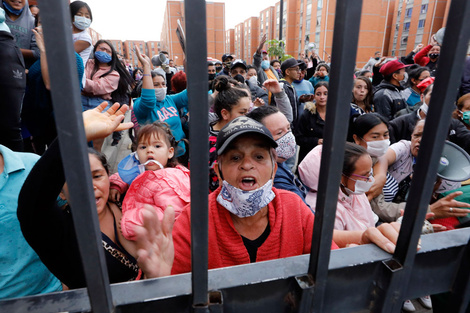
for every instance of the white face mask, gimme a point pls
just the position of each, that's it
(160, 93)
(360, 186)
(245, 203)
(253, 80)
(81, 22)
(286, 146)
(424, 108)
(377, 148)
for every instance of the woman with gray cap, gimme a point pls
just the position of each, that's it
(249, 220)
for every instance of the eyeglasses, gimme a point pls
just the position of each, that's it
(295, 69)
(368, 178)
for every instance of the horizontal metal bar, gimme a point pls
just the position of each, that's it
(352, 271)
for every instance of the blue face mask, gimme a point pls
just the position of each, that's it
(265, 64)
(11, 10)
(466, 117)
(102, 57)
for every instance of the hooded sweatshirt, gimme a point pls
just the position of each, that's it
(353, 212)
(21, 29)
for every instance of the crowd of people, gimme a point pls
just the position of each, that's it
(265, 134)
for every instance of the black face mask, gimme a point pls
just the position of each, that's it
(218, 68)
(211, 76)
(434, 55)
(377, 58)
(239, 78)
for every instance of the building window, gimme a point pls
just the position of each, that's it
(421, 24)
(320, 4)
(404, 40)
(318, 20)
(424, 9)
(309, 9)
(408, 12)
(267, 14)
(406, 27)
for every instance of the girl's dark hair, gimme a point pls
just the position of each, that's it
(76, 6)
(262, 112)
(228, 96)
(135, 72)
(162, 129)
(352, 152)
(125, 79)
(364, 123)
(320, 84)
(368, 100)
(362, 73)
(274, 61)
(415, 73)
(101, 157)
(323, 64)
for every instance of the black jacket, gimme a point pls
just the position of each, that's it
(309, 130)
(294, 101)
(388, 99)
(402, 128)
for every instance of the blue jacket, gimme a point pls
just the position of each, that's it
(148, 110)
(285, 179)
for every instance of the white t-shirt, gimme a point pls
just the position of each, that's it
(403, 166)
(85, 54)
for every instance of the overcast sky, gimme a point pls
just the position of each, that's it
(113, 19)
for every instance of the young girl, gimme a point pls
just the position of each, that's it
(321, 74)
(309, 132)
(362, 95)
(231, 101)
(81, 20)
(154, 176)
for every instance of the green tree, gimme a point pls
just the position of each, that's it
(276, 48)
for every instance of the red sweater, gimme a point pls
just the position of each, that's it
(421, 57)
(290, 220)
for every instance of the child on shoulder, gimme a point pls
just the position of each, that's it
(154, 176)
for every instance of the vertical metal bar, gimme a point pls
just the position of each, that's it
(281, 16)
(436, 130)
(68, 111)
(196, 56)
(347, 20)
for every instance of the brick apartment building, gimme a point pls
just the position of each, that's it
(215, 20)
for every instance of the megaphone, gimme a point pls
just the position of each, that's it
(439, 36)
(454, 164)
(158, 60)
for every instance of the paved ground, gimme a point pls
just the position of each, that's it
(116, 153)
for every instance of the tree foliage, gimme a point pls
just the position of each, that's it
(276, 48)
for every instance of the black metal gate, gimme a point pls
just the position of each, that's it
(362, 278)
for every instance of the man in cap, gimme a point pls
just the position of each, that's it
(290, 69)
(227, 59)
(388, 99)
(303, 88)
(238, 72)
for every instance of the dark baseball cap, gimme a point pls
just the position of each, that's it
(239, 126)
(226, 56)
(291, 62)
(238, 63)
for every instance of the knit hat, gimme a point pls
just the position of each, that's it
(239, 126)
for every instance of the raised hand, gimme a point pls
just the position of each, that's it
(143, 58)
(272, 85)
(154, 241)
(448, 206)
(100, 125)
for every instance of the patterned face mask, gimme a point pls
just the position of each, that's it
(245, 203)
(286, 146)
